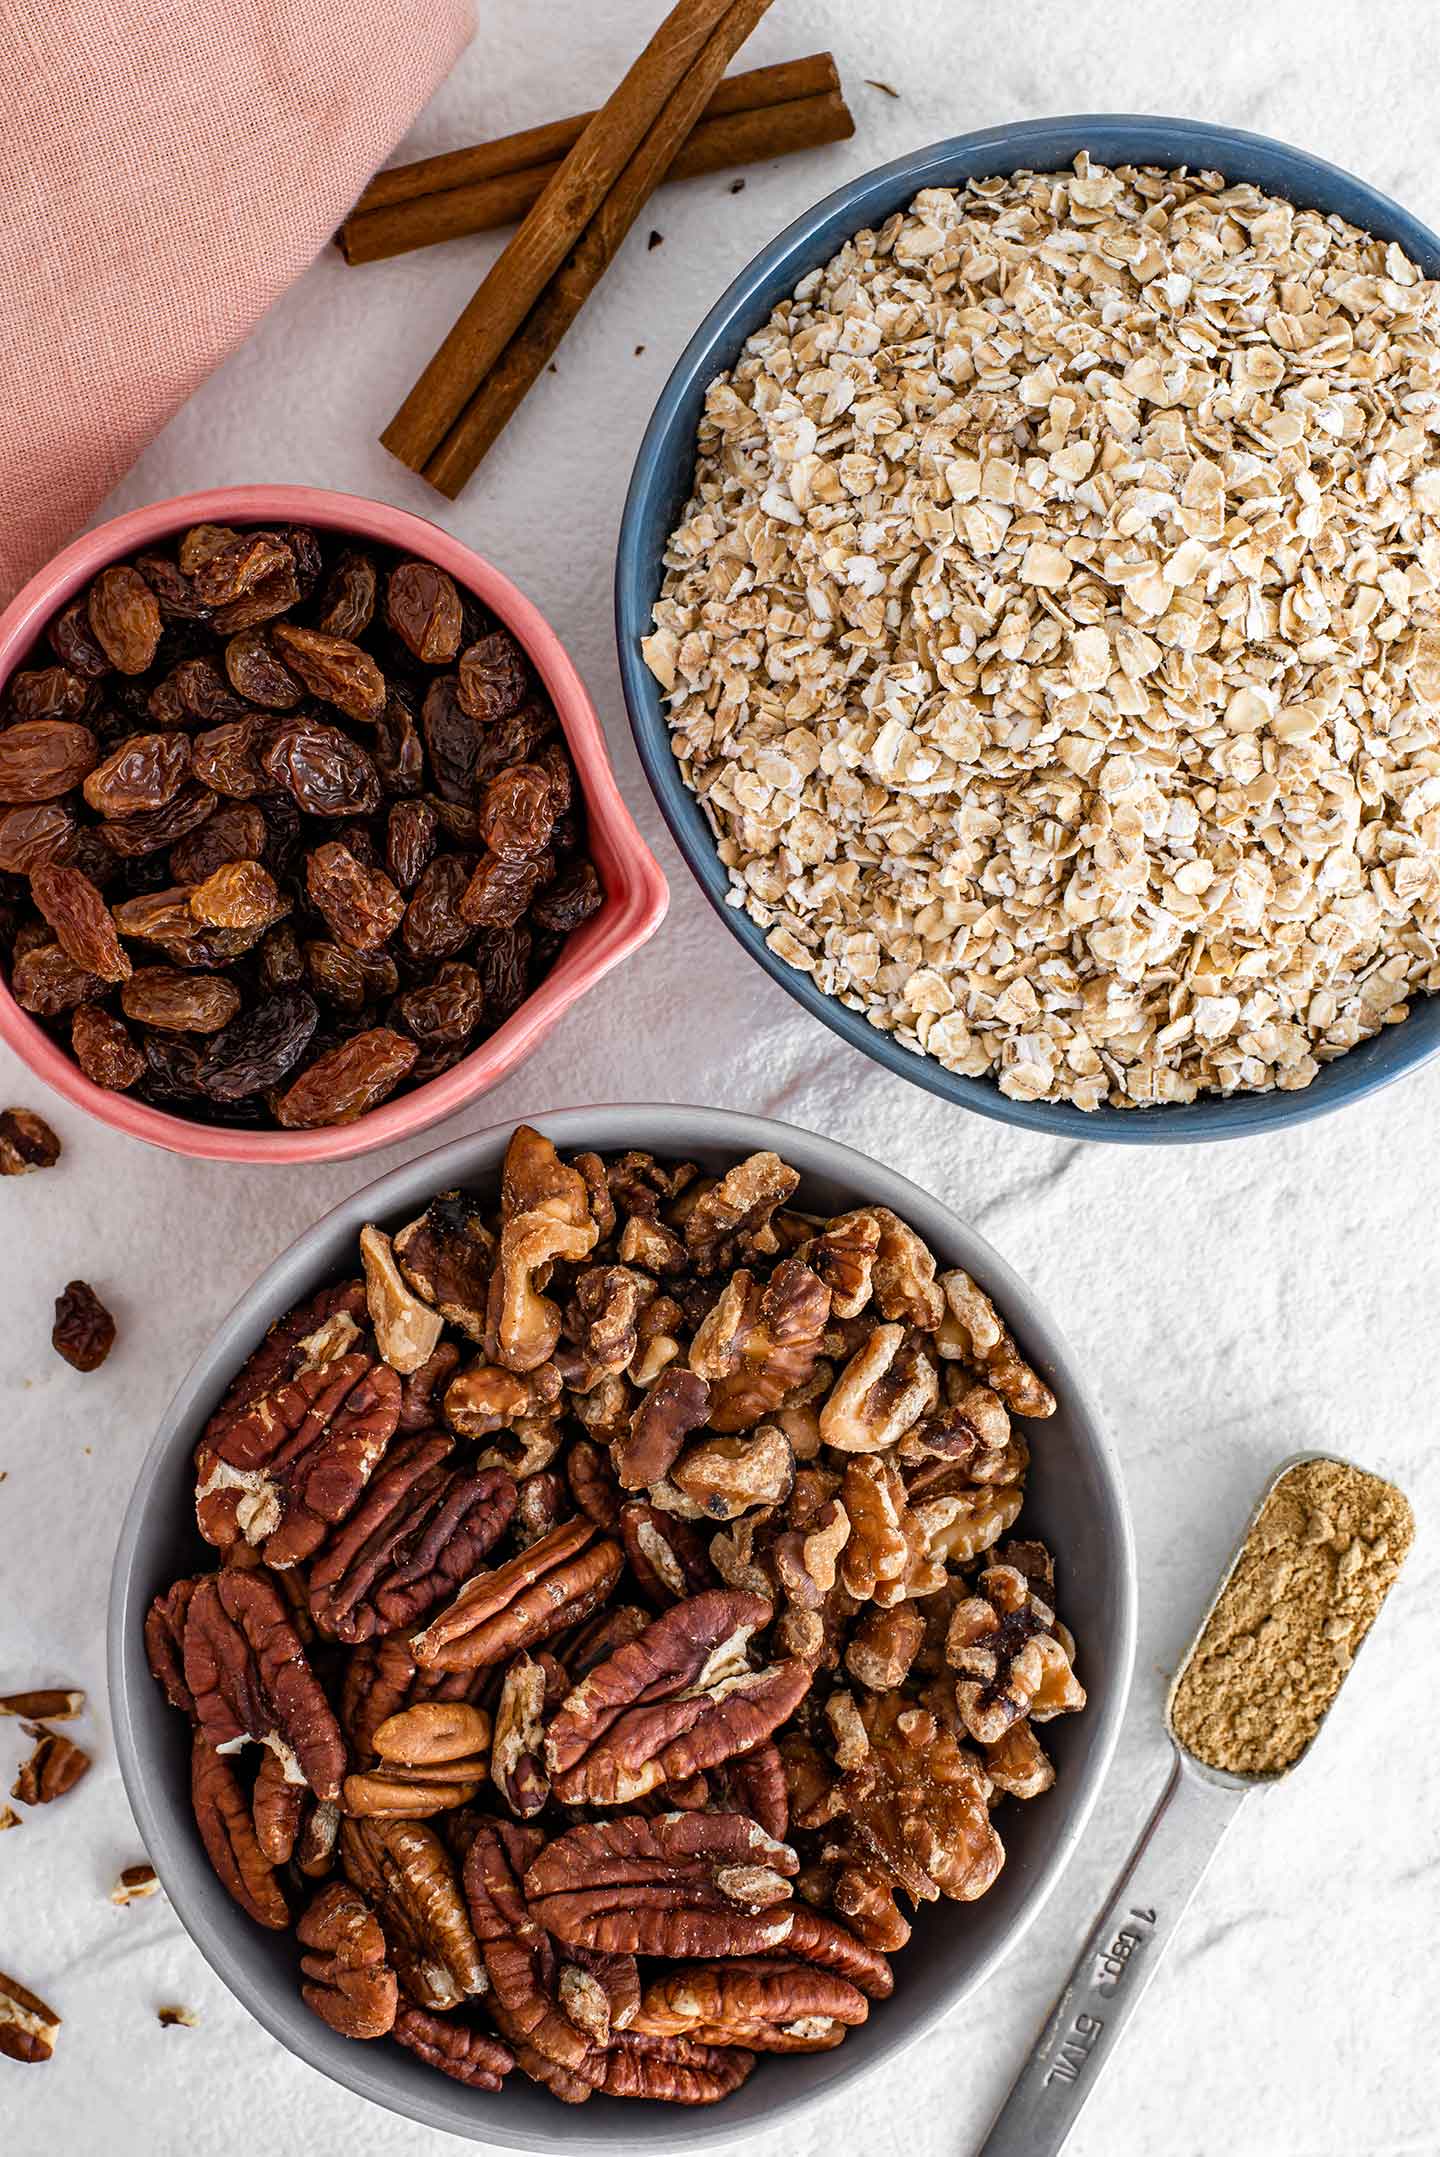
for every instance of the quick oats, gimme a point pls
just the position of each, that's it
(1053, 635)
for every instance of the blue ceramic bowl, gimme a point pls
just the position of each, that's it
(660, 487)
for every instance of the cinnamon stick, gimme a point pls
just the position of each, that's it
(543, 145)
(748, 136)
(552, 227)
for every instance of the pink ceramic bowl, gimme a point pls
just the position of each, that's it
(636, 893)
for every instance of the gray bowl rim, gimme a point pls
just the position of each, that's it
(168, 1832)
(660, 485)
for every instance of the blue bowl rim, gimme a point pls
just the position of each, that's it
(667, 448)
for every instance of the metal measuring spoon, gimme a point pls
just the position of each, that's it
(1141, 1918)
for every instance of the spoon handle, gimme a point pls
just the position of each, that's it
(1115, 1965)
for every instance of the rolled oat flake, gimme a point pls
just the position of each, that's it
(1322, 1551)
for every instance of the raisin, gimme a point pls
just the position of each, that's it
(26, 1142)
(104, 1050)
(274, 595)
(41, 759)
(145, 772)
(235, 833)
(235, 566)
(333, 669)
(504, 962)
(200, 542)
(227, 757)
(155, 829)
(361, 906)
(422, 606)
(174, 593)
(81, 920)
(434, 927)
(172, 1066)
(517, 814)
(554, 761)
(47, 981)
(399, 752)
(362, 843)
(179, 1002)
(48, 693)
(409, 840)
(93, 853)
(125, 616)
(444, 1010)
(452, 741)
(325, 772)
(458, 822)
(238, 895)
(261, 1047)
(195, 689)
(156, 917)
(74, 643)
(493, 679)
(281, 962)
(573, 897)
(45, 832)
(305, 550)
(349, 979)
(258, 674)
(347, 1080)
(84, 1331)
(347, 604)
(500, 891)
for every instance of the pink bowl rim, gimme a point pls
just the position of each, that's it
(637, 894)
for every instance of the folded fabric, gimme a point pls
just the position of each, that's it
(167, 167)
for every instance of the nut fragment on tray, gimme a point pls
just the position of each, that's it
(615, 1633)
(1052, 640)
(287, 825)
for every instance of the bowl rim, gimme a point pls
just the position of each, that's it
(1043, 144)
(181, 1864)
(637, 894)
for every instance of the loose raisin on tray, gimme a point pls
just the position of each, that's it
(334, 669)
(178, 1002)
(323, 770)
(409, 840)
(347, 1081)
(125, 617)
(260, 1047)
(347, 604)
(500, 891)
(145, 772)
(445, 1010)
(517, 814)
(84, 1331)
(46, 981)
(48, 693)
(258, 673)
(422, 606)
(154, 829)
(239, 895)
(434, 927)
(361, 906)
(74, 642)
(104, 1050)
(236, 832)
(80, 918)
(493, 679)
(573, 897)
(31, 836)
(41, 759)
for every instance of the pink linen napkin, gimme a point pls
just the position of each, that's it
(167, 167)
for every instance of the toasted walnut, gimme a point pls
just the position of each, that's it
(683, 1883)
(885, 1388)
(517, 1763)
(485, 1398)
(975, 1330)
(883, 1646)
(843, 1257)
(667, 1557)
(593, 1484)
(545, 1216)
(726, 1477)
(407, 1331)
(1018, 1763)
(446, 1257)
(917, 1804)
(603, 1318)
(405, 1874)
(885, 1558)
(1011, 1664)
(678, 1699)
(348, 1984)
(735, 1212)
(554, 1583)
(759, 1343)
(676, 1404)
(959, 1524)
(864, 1894)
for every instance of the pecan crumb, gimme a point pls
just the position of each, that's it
(26, 1142)
(736, 186)
(184, 2018)
(46, 1704)
(656, 239)
(27, 2025)
(135, 1883)
(9, 1818)
(54, 1767)
(872, 84)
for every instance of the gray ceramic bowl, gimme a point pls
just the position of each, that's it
(660, 487)
(1076, 1502)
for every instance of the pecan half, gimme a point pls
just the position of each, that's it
(51, 1704)
(521, 1959)
(517, 1763)
(677, 1700)
(552, 1584)
(249, 1678)
(349, 1983)
(759, 1343)
(671, 2070)
(768, 2004)
(683, 1883)
(676, 1404)
(228, 1833)
(432, 1757)
(277, 1807)
(404, 1872)
(421, 1529)
(165, 1643)
(456, 2048)
(667, 1557)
